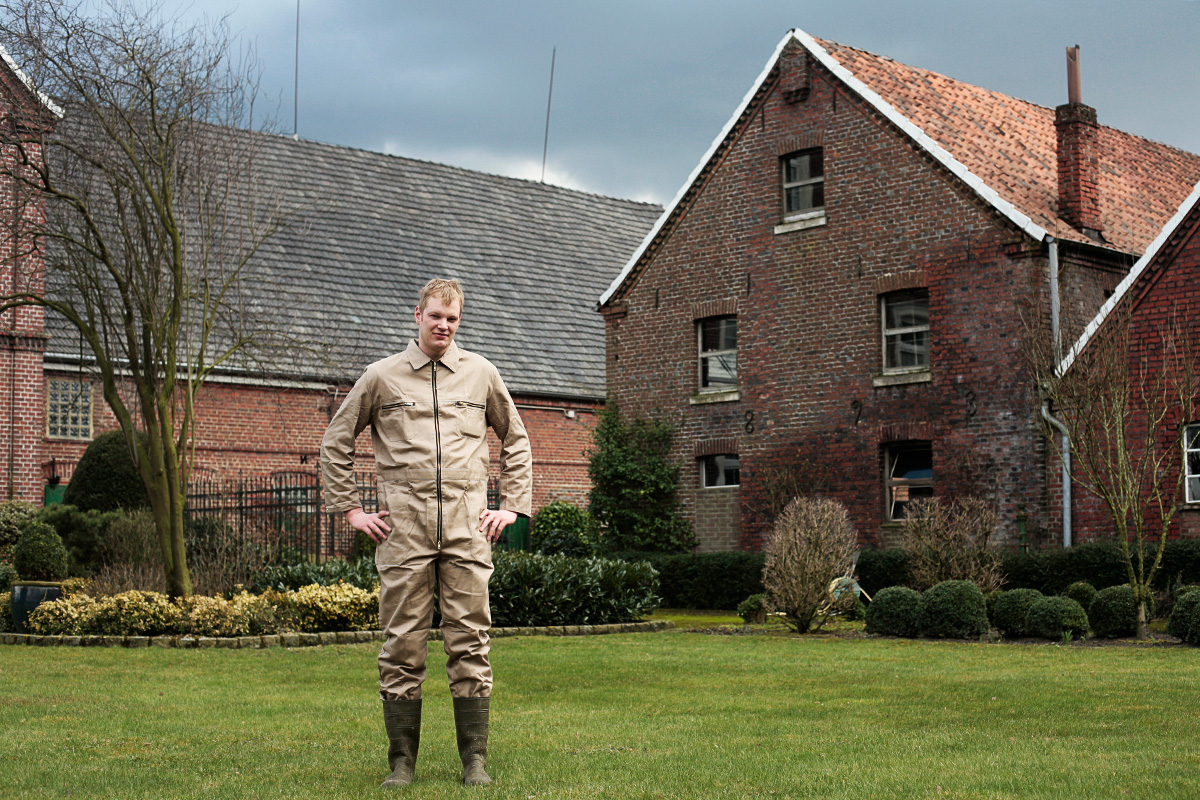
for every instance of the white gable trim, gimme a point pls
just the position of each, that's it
(985, 192)
(45, 99)
(1129, 280)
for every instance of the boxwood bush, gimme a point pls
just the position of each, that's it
(1181, 614)
(953, 610)
(1056, 617)
(703, 580)
(895, 611)
(1114, 613)
(1011, 609)
(40, 554)
(1081, 592)
(1191, 626)
(535, 590)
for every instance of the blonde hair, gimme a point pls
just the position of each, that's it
(445, 290)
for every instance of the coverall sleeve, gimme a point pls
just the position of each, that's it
(516, 458)
(337, 447)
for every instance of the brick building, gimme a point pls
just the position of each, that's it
(1153, 317)
(363, 233)
(833, 302)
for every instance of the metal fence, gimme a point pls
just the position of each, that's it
(284, 513)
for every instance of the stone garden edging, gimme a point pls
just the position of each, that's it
(313, 639)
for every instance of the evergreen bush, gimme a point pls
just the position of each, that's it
(337, 607)
(1181, 614)
(1081, 592)
(565, 543)
(40, 554)
(560, 517)
(66, 616)
(895, 611)
(634, 485)
(1011, 609)
(878, 569)
(1114, 612)
(1191, 626)
(82, 533)
(8, 574)
(14, 514)
(359, 572)
(1056, 617)
(753, 610)
(135, 613)
(953, 610)
(105, 478)
(534, 590)
(703, 580)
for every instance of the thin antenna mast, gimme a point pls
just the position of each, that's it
(549, 100)
(296, 81)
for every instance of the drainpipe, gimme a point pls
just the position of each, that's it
(1046, 415)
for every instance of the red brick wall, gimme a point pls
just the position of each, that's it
(809, 321)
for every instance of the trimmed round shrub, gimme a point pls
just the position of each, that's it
(953, 610)
(8, 574)
(895, 611)
(1114, 613)
(1190, 624)
(1081, 592)
(1181, 614)
(1011, 609)
(135, 613)
(14, 514)
(753, 610)
(1056, 617)
(40, 554)
(564, 543)
(105, 477)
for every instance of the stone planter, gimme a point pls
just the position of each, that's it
(28, 595)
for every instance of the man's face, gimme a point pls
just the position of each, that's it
(438, 324)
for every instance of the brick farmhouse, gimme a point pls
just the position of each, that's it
(837, 298)
(363, 233)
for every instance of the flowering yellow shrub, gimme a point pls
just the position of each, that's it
(136, 613)
(339, 607)
(66, 616)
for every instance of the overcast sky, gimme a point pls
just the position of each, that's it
(641, 87)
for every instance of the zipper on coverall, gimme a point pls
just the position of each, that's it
(437, 438)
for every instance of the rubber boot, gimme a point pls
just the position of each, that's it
(471, 724)
(402, 719)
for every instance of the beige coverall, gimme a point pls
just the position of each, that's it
(428, 421)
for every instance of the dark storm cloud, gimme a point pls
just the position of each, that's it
(641, 88)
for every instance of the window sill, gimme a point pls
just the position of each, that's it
(799, 222)
(901, 378)
(718, 488)
(715, 397)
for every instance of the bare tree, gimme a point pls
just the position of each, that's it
(949, 540)
(151, 220)
(812, 545)
(1124, 397)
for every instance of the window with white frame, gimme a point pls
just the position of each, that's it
(718, 353)
(719, 470)
(908, 475)
(803, 182)
(69, 409)
(905, 330)
(1191, 462)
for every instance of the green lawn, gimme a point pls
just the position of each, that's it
(642, 715)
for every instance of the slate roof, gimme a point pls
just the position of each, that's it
(1002, 147)
(366, 230)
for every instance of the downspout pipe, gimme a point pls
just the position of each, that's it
(1056, 336)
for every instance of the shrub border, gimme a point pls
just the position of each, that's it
(314, 639)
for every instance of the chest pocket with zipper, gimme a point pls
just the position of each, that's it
(472, 419)
(395, 419)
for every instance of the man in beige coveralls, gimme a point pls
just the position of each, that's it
(428, 409)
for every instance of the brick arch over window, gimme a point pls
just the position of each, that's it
(905, 431)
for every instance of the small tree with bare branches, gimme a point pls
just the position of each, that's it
(151, 216)
(1123, 395)
(812, 544)
(950, 541)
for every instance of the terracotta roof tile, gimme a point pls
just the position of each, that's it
(1009, 144)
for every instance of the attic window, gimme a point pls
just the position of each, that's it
(803, 182)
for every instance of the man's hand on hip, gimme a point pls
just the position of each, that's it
(495, 521)
(370, 524)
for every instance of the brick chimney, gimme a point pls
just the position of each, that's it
(1078, 156)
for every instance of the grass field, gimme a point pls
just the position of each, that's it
(643, 715)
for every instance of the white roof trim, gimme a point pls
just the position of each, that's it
(1129, 280)
(46, 101)
(984, 191)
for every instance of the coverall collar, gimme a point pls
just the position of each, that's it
(416, 356)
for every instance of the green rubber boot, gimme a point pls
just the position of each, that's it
(402, 719)
(471, 724)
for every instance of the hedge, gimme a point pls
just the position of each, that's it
(536, 590)
(703, 580)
